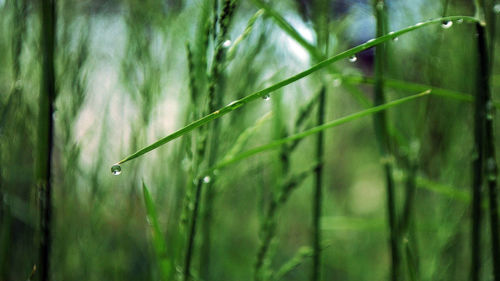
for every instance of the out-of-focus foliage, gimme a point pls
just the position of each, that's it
(125, 79)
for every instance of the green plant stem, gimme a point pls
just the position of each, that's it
(486, 164)
(383, 138)
(192, 230)
(269, 90)
(214, 101)
(479, 116)
(318, 181)
(46, 133)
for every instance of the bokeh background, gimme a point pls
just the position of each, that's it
(122, 81)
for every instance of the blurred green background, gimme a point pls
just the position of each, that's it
(123, 82)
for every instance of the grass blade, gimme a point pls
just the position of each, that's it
(160, 247)
(315, 130)
(259, 94)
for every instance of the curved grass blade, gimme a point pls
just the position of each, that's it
(403, 85)
(315, 130)
(443, 189)
(257, 95)
(159, 244)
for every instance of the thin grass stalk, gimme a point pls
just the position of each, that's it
(282, 171)
(383, 138)
(479, 136)
(46, 133)
(214, 101)
(321, 25)
(489, 162)
(272, 89)
(318, 197)
(192, 232)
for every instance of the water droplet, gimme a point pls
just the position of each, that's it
(460, 21)
(419, 24)
(116, 169)
(496, 8)
(337, 82)
(371, 40)
(226, 43)
(395, 39)
(353, 58)
(206, 179)
(266, 97)
(235, 104)
(446, 24)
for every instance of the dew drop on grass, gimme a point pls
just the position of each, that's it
(206, 179)
(226, 43)
(266, 97)
(353, 58)
(496, 8)
(460, 21)
(446, 24)
(395, 39)
(116, 169)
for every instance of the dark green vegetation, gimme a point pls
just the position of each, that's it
(260, 140)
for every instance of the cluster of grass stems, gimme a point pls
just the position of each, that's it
(207, 58)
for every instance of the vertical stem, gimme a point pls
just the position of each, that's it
(215, 101)
(381, 131)
(45, 133)
(485, 122)
(479, 120)
(318, 180)
(192, 231)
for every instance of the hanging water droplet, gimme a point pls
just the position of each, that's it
(446, 24)
(353, 58)
(116, 169)
(395, 39)
(460, 21)
(226, 43)
(206, 179)
(234, 104)
(496, 8)
(266, 97)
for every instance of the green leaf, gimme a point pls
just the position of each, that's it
(315, 130)
(269, 90)
(164, 263)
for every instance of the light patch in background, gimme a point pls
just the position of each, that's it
(366, 196)
(291, 45)
(106, 104)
